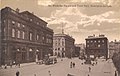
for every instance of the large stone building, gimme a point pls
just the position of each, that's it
(25, 37)
(114, 47)
(97, 46)
(63, 45)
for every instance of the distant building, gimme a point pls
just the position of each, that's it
(25, 37)
(77, 51)
(63, 45)
(114, 47)
(97, 46)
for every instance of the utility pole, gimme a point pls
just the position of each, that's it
(62, 29)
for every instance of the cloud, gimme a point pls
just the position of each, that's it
(45, 2)
(73, 19)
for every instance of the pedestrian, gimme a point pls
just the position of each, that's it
(17, 73)
(11, 64)
(49, 73)
(115, 73)
(71, 65)
(89, 69)
(5, 66)
(96, 62)
(19, 65)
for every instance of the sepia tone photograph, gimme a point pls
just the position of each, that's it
(59, 37)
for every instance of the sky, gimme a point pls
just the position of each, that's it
(79, 18)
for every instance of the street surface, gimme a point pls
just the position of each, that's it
(62, 68)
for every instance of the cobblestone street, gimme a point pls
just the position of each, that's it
(62, 68)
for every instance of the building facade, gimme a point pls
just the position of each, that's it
(82, 49)
(97, 46)
(25, 37)
(63, 45)
(114, 47)
(77, 51)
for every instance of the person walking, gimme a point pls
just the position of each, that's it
(71, 65)
(115, 73)
(5, 66)
(49, 73)
(10, 64)
(89, 69)
(19, 65)
(17, 73)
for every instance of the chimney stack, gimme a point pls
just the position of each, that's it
(17, 10)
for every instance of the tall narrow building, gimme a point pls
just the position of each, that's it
(63, 45)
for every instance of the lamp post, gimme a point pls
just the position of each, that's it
(36, 59)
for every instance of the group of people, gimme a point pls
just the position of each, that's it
(5, 66)
(72, 65)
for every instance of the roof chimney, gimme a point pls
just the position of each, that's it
(17, 10)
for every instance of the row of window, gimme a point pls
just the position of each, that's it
(18, 24)
(58, 43)
(30, 50)
(95, 45)
(18, 33)
(21, 34)
(59, 49)
(99, 41)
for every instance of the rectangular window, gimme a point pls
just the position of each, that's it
(62, 49)
(30, 36)
(4, 31)
(18, 24)
(37, 37)
(58, 48)
(50, 40)
(99, 41)
(103, 41)
(99, 45)
(87, 45)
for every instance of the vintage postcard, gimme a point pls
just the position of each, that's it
(60, 38)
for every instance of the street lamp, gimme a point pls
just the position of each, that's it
(36, 59)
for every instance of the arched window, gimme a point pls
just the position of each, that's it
(18, 34)
(30, 36)
(13, 32)
(23, 35)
